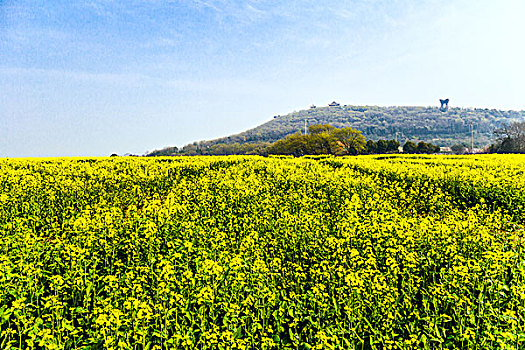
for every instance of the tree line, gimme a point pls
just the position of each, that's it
(320, 139)
(509, 139)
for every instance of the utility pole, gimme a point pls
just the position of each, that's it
(305, 131)
(471, 138)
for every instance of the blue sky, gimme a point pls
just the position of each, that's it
(82, 78)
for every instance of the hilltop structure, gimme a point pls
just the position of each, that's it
(444, 104)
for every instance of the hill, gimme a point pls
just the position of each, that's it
(429, 124)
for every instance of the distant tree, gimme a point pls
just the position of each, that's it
(190, 150)
(168, 151)
(257, 148)
(381, 146)
(371, 147)
(493, 148)
(320, 129)
(459, 148)
(423, 147)
(322, 143)
(295, 144)
(350, 141)
(409, 147)
(225, 149)
(426, 148)
(320, 139)
(510, 138)
(392, 146)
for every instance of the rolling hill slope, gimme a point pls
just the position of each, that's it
(429, 124)
(413, 123)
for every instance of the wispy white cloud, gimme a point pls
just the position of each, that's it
(138, 80)
(99, 8)
(129, 79)
(32, 35)
(172, 41)
(243, 12)
(211, 4)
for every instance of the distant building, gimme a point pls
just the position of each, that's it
(334, 104)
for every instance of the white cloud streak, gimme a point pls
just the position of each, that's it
(137, 80)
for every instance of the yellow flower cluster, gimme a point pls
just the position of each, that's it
(368, 252)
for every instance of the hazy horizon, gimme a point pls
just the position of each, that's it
(93, 78)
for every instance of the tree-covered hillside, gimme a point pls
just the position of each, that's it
(413, 123)
(429, 124)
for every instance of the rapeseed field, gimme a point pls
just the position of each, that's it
(368, 252)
